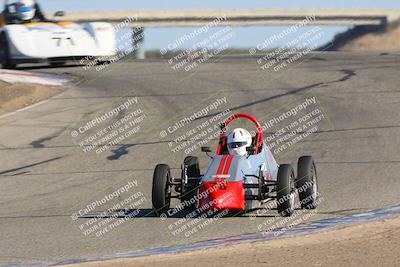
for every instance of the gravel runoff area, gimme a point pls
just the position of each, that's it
(20, 95)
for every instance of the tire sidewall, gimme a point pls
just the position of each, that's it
(305, 182)
(6, 60)
(160, 199)
(284, 190)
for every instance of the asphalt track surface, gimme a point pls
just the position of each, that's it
(46, 177)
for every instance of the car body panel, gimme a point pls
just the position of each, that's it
(240, 166)
(229, 196)
(237, 171)
(46, 40)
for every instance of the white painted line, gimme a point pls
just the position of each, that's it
(16, 76)
(23, 109)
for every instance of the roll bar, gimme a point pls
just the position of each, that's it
(258, 137)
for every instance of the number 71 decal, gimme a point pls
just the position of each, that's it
(59, 40)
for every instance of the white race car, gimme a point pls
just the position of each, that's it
(55, 42)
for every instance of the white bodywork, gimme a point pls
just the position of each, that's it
(46, 40)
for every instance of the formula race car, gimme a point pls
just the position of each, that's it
(26, 38)
(237, 183)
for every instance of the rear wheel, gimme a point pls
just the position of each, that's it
(161, 193)
(307, 182)
(286, 190)
(188, 187)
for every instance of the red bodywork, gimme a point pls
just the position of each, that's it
(226, 196)
(221, 194)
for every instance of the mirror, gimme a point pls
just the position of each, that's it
(205, 149)
(250, 150)
(59, 14)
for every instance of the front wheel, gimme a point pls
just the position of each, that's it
(307, 182)
(286, 190)
(188, 187)
(161, 193)
(5, 56)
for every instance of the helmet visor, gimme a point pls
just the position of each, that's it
(236, 144)
(24, 9)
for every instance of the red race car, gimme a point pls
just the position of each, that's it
(237, 181)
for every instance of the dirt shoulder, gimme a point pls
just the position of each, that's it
(386, 40)
(370, 244)
(367, 39)
(20, 95)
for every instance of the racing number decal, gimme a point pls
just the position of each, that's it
(60, 39)
(71, 41)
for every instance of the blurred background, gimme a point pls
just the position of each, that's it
(350, 39)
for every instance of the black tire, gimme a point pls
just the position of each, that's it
(6, 61)
(307, 182)
(104, 62)
(285, 190)
(57, 63)
(161, 193)
(193, 170)
(193, 165)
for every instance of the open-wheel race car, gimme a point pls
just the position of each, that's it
(27, 36)
(237, 183)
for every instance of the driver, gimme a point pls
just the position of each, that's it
(25, 9)
(238, 140)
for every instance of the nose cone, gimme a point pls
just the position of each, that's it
(221, 196)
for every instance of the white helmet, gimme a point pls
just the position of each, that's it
(238, 140)
(26, 9)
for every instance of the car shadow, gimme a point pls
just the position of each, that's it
(46, 66)
(133, 214)
(149, 213)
